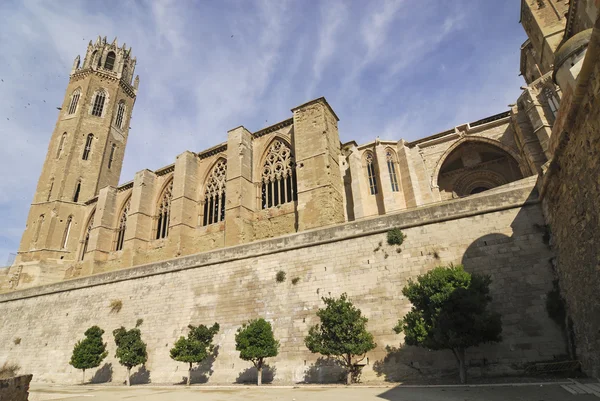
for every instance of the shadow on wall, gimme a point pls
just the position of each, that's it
(142, 376)
(202, 372)
(325, 371)
(103, 375)
(250, 375)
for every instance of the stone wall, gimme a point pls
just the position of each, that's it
(495, 233)
(15, 388)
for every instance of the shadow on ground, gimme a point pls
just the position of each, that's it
(250, 375)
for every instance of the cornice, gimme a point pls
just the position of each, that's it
(272, 128)
(165, 170)
(213, 151)
(125, 187)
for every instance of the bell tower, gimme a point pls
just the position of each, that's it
(85, 152)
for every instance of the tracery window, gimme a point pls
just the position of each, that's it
(88, 146)
(120, 114)
(98, 103)
(61, 144)
(278, 176)
(111, 157)
(110, 61)
(371, 173)
(122, 226)
(553, 102)
(74, 101)
(66, 233)
(391, 165)
(214, 194)
(164, 212)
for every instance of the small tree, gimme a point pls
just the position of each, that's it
(131, 350)
(450, 311)
(89, 352)
(255, 341)
(342, 334)
(196, 347)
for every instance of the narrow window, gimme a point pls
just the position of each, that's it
(77, 190)
(86, 238)
(278, 176)
(120, 113)
(122, 226)
(553, 102)
(94, 54)
(38, 228)
(66, 233)
(371, 174)
(98, 104)
(88, 146)
(110, 61)
(112, 155)
(214, 194)
(61, 144)
(50, 190)
(392, 170)
(99, 60)
(74, 101)
(164, 212)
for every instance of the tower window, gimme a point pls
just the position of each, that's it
(86, 238)
(66, 233)
(110, 61)
(371, 174)
(553, 102)
(120, 114)
(392, 170)
(112, 155)
(61, 144)
(77, 191)
(98, 104)
(38, 228)
(214, 194)
(164, 212)
(99, 60)
(122, 226)
(74, 101)
(88, 147)
(50, 190)
(278, 176)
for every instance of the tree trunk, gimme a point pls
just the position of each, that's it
(349, 369)
(83, 379)
(189, 381)
(259, 367)
(462, 368)
(128, 373)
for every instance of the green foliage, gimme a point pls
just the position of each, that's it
(196, 346)
(131, 350)
(9, 370)
(255, 341)
(89, 352)
(280, 276)
(295, 280)
(395, 237)
(342, 333)
(555, 305)
(139, 322)
(17, 341)
(115, 305)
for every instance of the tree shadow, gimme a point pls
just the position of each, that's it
(103, 375)
(142, 376)
(250, 375)
(202, 372)
(325, 370)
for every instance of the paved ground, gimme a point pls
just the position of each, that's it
(545, 392)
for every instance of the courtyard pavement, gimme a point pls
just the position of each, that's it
(517, 392)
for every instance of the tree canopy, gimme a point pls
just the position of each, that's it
(89, 352)
(131, 350)
(255, 341)
(195, 347)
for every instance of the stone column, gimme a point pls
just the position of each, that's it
(103, 228)
(407, 175)
(140, 219)
(317, 151)
(184, 213)
(240, 200)
(359, 189)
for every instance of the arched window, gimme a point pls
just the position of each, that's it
(100, 60)
(50, 190)
(66, 233)
(77, 191)
(553, 102)
(278, 176)
(38, 228)
(122, 226)
(93, 58)
(112, 155)
(371, 173)
(86, 238)
(61, 144)
(214, 194)
(110, 61)
(74, 101)
(164, 212)
(98, 103)
(120, 114)
(391, 165)
(88, 147)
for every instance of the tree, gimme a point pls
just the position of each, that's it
(196, 347)
(131, 350)
(342, 334)
(89, 352)
(255, 341)
(450, 311)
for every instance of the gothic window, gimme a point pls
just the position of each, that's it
(112, 155)
(120, 114)
(122, 226)
(74, 101)
(371, 173)
(38, 228)
(278, 176)
(77, 191)
(553, 102)
(164, 212)
(86, 238)
(88, 146)
(50, 190)
(93, 58)
(110, 61)
(214, 194)
(98, 103)
(65, 238)
(99, 60)
(391, 165)
(61, 144)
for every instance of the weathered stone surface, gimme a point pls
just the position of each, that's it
(15, 388)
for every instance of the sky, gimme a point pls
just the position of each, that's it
(394, 69)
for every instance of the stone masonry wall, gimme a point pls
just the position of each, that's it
(496, 233)
(15, 388)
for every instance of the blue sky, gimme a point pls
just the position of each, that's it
(393, 69)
